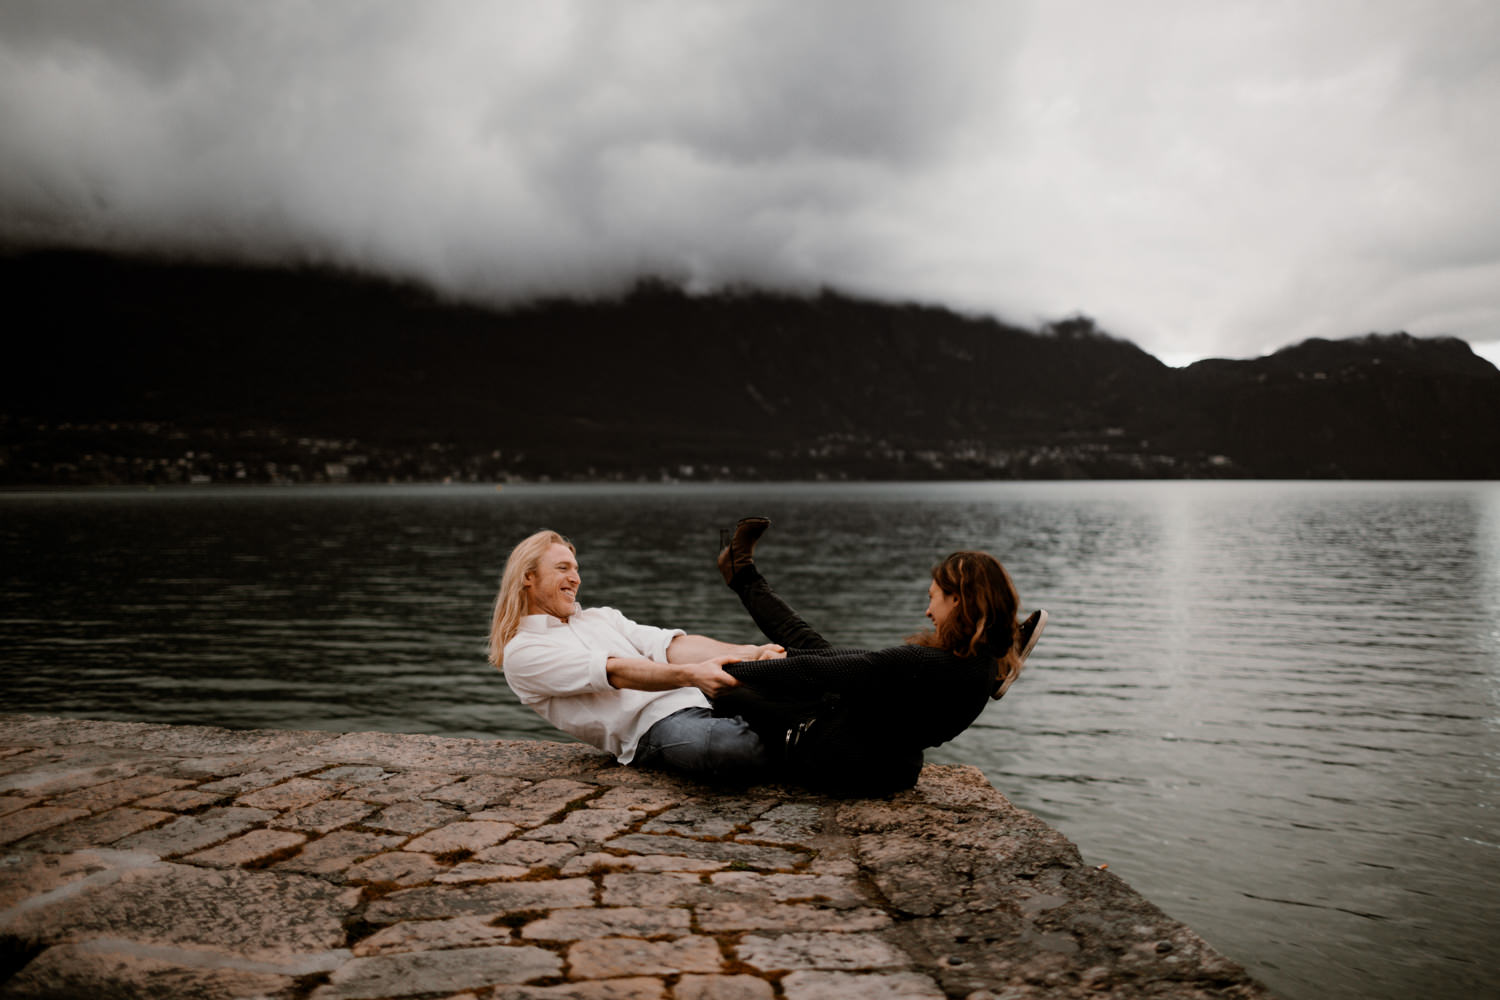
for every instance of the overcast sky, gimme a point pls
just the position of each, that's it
(1204, 178)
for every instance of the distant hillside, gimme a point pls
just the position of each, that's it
(1377, 406)
(298, 374)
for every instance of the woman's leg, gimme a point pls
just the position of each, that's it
(772, 615)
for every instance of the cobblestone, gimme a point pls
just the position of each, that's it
(606, 958)
(473, 871)
(751, 855)
(420, 972)
(182, 800)
(400, 787)
(766, 915)
(526, 853)
(631, 921)
(819, 951)
(473, 794)
(413, 817)
(468, 835)
(252, 848)
(186, 834)
(430, 935)
(643, 889)
(257, 778)
(397, 867)
(842, 985)
(292, 794)
(586, 826)
(117, 793)
(186, 861)
(325, 816)
(494, 898)
(95, 831)
(583, 863)
(25, 822)
(722, 988)
(338, 852)
(10, 803)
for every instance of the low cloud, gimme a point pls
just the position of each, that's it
(1217, 179)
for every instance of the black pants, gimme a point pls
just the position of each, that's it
(774, 616)
(772, 711)
(832, 753)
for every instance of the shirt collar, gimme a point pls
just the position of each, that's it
(539, 623)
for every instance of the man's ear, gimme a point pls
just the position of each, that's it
(526, 580)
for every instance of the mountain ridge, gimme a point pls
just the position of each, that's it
(742, 384)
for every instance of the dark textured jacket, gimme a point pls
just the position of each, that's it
(873, 711)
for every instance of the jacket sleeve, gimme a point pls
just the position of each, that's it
(830, 670)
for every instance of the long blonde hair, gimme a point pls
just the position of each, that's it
(511, 603)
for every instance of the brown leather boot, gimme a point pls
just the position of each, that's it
(739, 546)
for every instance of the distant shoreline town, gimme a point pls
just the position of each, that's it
(152, 453)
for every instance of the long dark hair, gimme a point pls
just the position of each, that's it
(983, 622)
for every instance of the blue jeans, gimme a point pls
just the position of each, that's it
(692, 742)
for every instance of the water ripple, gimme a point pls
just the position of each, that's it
(1254, 700)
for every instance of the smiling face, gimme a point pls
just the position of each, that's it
(939, 605)
(552, 588)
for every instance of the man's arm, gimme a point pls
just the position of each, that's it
(696, 648)
(640, 674)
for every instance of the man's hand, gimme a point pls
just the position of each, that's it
(640, 674)
(709, 676)
(770, 651)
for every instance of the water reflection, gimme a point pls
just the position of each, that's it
(1300, 664)
(1271, 707)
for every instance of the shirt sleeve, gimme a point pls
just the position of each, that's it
(537, 670)
(539, 666)
(648, 640)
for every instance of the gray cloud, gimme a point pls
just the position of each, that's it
(1206, 179)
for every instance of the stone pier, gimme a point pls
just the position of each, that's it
(158, 861)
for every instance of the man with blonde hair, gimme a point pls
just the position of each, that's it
(635, 691)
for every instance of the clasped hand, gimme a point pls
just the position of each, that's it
(711, 678)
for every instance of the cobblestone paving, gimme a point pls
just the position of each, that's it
(161, 861)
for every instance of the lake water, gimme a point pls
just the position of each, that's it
(1271, 707)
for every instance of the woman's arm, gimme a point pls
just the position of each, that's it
(841, 670)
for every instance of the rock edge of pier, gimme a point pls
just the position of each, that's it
(159, 861)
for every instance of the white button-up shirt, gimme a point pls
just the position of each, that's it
(558, 668)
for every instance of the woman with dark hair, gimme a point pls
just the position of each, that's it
(855, 721)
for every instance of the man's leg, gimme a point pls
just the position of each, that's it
(695, 743)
